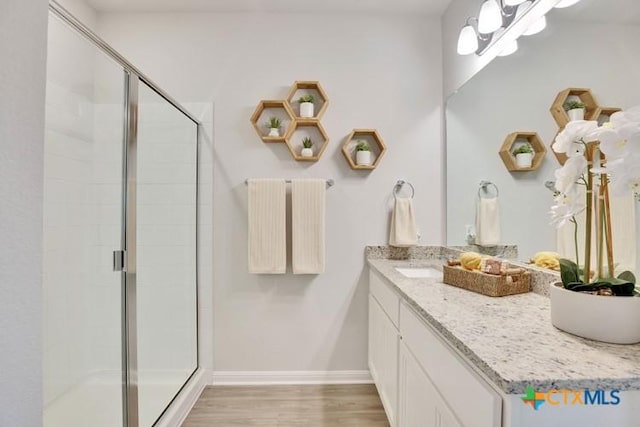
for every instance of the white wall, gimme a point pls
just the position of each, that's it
(23, 32)
(515, 94)
(379, 71)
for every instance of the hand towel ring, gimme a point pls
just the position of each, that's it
(484, 186)
(398, 187)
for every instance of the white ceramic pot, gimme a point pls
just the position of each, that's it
(363, 158)
(306, 152)
(602, 318)
(274, 132)
(306, 109)
(524, 160)
(576, 114)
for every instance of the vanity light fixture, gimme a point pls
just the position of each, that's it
(566, 3)
(490, 17)
(536, 27)
(468, 39)
(509, 48)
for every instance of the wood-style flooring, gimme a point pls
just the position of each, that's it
(284, 406)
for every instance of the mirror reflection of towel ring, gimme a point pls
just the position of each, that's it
(484, 186)
(398, 188)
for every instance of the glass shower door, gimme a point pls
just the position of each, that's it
(166, 253)
(83, 225)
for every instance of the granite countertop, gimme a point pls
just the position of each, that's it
(511, 339)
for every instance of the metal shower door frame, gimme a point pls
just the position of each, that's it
(132, 81)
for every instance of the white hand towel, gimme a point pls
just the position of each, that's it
(403, 231)
(487, 222)
(308, 199)
(267, 226)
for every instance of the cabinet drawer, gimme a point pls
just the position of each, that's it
(388, 299)
(472, 400)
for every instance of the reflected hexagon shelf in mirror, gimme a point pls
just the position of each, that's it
(517, 138)
(371, 136)
(557, 108)
(277, 108)
(603, 114)
(301, 88)
(307, 128)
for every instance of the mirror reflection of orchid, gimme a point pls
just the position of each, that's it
(601, 159)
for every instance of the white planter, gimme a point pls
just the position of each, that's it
(363, 158)
(274, 132)
(602, 318)
(524, 160)
(306, 152)
(306, 109)
(576, 114)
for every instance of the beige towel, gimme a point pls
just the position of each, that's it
(487, 222)
(267, 226)
(623, 224)
(403, 231)
(308, 198)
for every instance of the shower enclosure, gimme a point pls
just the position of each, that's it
(120, 200)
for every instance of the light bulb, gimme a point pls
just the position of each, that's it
(509, 48)
(536, 27)
(490, 17)
(566, 3)
(513, 2)
(467, 41)
(522, 8)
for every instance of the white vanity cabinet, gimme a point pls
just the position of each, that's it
(421, 380)
(384, 338)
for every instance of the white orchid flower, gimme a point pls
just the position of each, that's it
(567, 206)
(572, 138)
(568, 175)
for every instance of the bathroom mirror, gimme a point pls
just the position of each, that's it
(593, 44)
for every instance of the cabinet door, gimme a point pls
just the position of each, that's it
(420, 405)
(383, 357)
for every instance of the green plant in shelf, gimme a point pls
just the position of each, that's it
(306, 98)
(523, 149)
(573, 105)
(274, 123)
(362, 146)
(307, 143)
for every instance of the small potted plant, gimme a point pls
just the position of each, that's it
(524, 156)
(575, 110)
(306, 106)
(274, 126)
(306, 150)
(363, 153)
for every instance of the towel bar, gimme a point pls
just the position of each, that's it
(330, 182)
(398, 187)
(484, 187)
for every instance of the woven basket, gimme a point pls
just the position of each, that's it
(487, 284)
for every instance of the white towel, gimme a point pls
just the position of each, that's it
(403, 231)
(308, 198)
(623, 230)
(267, 226)
(487, 222)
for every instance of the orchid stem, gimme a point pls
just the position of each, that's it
(575, 240)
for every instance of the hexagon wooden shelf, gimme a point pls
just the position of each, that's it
(521, 137)
(378, 148)
(557, 108)
(309, 127)
(285, 114)
(300, 88)
(603, 114)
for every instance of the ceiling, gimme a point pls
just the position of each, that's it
(426, 7)
(616, 11)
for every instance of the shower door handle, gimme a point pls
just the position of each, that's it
(119, 260)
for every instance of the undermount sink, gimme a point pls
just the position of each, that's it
(420, 272)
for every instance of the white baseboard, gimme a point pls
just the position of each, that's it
(290, 377)
(182, 405)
